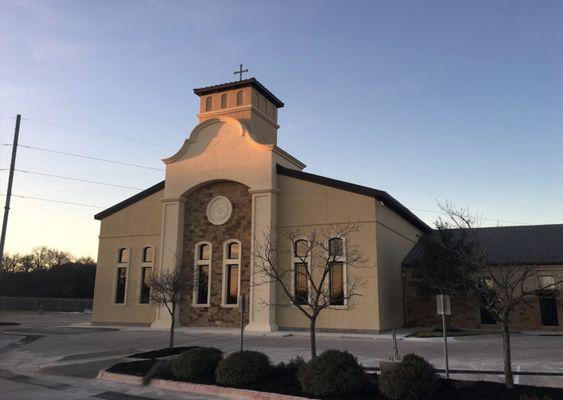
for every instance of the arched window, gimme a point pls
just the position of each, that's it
(231, 272)
(202, 274)
(146, 275)
(147, 255)
(224, 100)
(337, 271)
(121, 276)
(240, 98)
(301, 258)
(208, 103)
(256, 100)
(123, 256)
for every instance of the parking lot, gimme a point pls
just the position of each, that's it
(60, 353)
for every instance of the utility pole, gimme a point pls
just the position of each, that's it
(9, 190)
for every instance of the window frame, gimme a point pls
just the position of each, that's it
(145, 264)
(239, 98)
(299, 260)
(118, 265)
(338, 259)
(224, 101)
(226, 263)
(208, 106)
(197, 263)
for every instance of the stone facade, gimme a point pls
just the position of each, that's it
(197, 228)
(466, 315)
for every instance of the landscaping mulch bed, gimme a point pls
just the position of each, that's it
(283, 380)
(165, 352)
(135, 368)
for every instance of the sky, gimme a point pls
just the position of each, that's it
(430, 101)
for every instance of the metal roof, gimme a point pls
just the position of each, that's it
(512, 245)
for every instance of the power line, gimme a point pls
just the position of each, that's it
(486, 219)
(91, 132)
(84, 156)
(74, 179)
(53, 201)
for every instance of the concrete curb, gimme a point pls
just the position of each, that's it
(188, 387)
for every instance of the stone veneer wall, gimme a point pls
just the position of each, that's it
(197, 228)
(465, 315)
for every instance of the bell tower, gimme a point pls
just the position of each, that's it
(246, 100)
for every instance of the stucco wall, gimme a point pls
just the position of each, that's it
(395, 237)
(305, 206)
(135, 228)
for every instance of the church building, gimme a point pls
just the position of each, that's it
(224, 189)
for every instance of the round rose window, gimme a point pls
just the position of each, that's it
(219, 210)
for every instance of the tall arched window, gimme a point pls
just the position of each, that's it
(202, 274)
(224, 100)
(121, 276)
(208, 103)
(301, 258)
(231, 272)
(146, 274)
(240, 98)
(337, 271)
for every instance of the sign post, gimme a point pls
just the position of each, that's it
(242, 309)
(443, 308)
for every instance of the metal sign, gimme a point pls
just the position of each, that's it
(443, 306)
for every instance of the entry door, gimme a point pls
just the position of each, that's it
(548, 309)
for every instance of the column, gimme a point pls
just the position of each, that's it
(170, 249)
(262, 313)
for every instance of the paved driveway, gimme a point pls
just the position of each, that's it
(57, 355)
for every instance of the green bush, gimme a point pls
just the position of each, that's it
(162, 369)
(243, 368)
(333, 373)
(413, 379)
(197, 365)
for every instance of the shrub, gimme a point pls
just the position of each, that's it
(197, 365)
(243, 368)
(162, 369)
(333, 373)
(296, 363)
(413, 379)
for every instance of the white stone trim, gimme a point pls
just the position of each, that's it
(197, 263)
(230, 261)
(116, 270)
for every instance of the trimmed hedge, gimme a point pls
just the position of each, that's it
(243, 368)
(162, 369)
(333, 373)
(413, 379)
(197, 365)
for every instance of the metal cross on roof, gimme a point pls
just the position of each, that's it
(240, 72)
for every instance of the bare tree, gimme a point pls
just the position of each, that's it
(166, 288)
(499, 288)
(313, 269)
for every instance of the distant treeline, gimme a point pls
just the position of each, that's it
(47, 272)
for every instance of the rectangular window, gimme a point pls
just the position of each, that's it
(548, 309)
(120, 285)
(232, 284)
(146, 273)
(336, 282)
(202, 284)
(301, 289)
